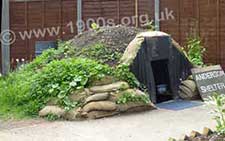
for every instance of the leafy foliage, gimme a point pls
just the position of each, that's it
(100, 53)
(64, 50)
(55, 74)
(122, 72)
(218, 101)
(95, 26)
(195, 51)
(60, 78)
(27, 91)
(12, 90)
(131, 97)
(52, 117)
(150, 26)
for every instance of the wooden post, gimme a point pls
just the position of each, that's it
(157, 12)
(5, 38)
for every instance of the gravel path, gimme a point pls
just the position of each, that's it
(169, 120)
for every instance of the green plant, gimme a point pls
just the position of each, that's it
(95, 26)
(100, 53)
(60, 78)
(64, 50)
(55, 74)
(24, 92)
(52, 117)
(218, 102)
(195, 51)
(131, 97)
(171, 139)
(12, 90)
(122, 72)
(150, 26)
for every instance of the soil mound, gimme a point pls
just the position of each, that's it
(116, 37)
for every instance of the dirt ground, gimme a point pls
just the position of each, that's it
(170, 120)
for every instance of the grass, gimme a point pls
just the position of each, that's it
(12, 89)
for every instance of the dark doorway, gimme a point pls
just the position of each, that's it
(162, 80)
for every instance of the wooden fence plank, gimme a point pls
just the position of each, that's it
(200, 17)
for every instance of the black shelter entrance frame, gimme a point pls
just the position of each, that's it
(160, 49)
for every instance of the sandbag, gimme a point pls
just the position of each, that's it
(111, 87)
(74, 114)
(100, 106)
(190, 84)
(97, 97)
(187, 94)
(78, 96)
(54, 110)
(101, 114)
(135, 107)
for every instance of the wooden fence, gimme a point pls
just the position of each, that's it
(180, 18)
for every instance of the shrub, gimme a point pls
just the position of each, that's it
(218, 101)
(195, 51)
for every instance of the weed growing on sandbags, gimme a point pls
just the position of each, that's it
(60, 78)
(130, 97)
(123, 73)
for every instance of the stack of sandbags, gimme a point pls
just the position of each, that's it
(100, 101)
(188, 90)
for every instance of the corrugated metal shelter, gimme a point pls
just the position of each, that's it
(158, 64)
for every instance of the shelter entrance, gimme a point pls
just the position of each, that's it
(159, 65)
(162, 80)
